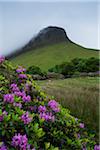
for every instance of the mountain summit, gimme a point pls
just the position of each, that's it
(47, 36)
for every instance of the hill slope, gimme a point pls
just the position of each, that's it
(49, 56)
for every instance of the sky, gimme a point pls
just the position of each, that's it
(21, 20)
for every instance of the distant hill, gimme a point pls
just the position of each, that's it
(51, 46)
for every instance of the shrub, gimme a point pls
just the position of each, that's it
(68, 69)
(30, 120)
(92, 64)
(35, 70)
(86, 65)
(77, 65)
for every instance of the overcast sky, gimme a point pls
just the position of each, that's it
(21, 20)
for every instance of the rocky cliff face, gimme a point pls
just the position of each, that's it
(47, 36)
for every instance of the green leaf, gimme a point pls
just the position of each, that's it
(47, 145)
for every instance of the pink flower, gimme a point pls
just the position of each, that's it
(54, 105)
(22, 76)
(20, 94)
(20, 141)
(2, 146)
(41, 109)
(47, 116)
(20, 69)
(81, 125)
(97, 147)
(26, 98)
(9, 98)
(26, 118)
(16, 140)
(14, 87)
(23, 143)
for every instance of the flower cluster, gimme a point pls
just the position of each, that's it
(47, 116)
(22, 76)
(2, 146)
(41, 109)
(26, 98)
(20, 69)
(20, 94)
(2, 59)
(14, 87)
(20, 141)
(97, 147)
(9, 98)
(81, 125)
(16, 91)
(26, 118)
(54, 105)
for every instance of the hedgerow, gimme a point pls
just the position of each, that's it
(31, 120)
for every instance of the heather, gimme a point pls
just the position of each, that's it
(32, 120)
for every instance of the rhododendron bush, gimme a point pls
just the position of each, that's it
(31, 120)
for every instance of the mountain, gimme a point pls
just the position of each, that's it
(49, 47)
(47, 36)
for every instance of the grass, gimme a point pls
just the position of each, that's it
(79, 95)
(49, 56)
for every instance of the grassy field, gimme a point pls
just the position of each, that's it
(79, 95)
(49, 56)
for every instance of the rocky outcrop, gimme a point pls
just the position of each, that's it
(47, 36)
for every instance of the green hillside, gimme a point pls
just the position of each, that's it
(49, 56)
